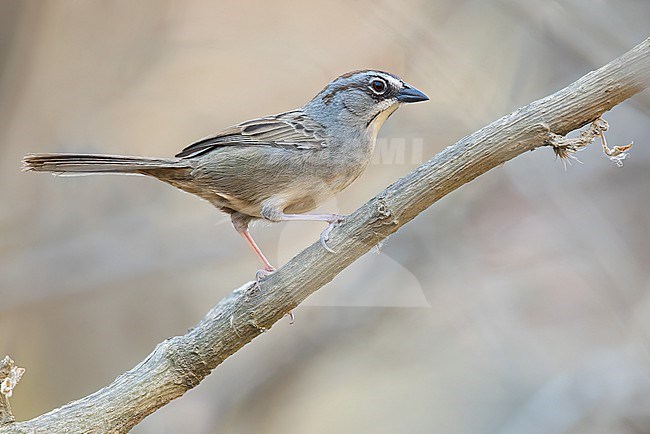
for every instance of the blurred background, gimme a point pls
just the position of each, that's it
(520, 303)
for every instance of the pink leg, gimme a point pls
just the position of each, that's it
(329, 218)
(251, 242)
(332, 219)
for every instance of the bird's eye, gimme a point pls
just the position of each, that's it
(378, 86)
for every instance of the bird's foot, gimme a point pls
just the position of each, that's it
(325, 235)
(260, 275)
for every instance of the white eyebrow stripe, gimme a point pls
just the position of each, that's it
(392, 80)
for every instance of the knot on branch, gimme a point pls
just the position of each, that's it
(565, 147)
(186, 359)
(384, 214)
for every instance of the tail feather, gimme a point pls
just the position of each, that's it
(93, 163)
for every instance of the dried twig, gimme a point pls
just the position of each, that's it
(10, 375)
(565, 148)
(618, 153)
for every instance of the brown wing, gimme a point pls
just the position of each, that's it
(290, 129)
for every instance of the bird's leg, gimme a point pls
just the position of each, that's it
(332, 219)
(268, 268)
(251, 242)
(241, 226)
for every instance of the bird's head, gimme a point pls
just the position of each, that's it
(362, 99)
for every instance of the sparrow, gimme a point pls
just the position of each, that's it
(275, 168)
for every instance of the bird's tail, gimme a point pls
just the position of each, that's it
(80, 164)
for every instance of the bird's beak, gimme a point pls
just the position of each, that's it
(411, 94)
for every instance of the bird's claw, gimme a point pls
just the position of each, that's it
(259, 275)
(324, 236)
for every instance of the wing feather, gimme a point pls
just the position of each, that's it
(290, 129)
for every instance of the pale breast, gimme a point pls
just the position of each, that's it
(241, 178)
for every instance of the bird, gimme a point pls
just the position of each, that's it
(274, 168)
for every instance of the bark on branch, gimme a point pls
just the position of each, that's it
(180, 363)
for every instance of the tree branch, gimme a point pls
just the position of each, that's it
(180, 363)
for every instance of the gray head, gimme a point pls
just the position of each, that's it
(362, 100)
